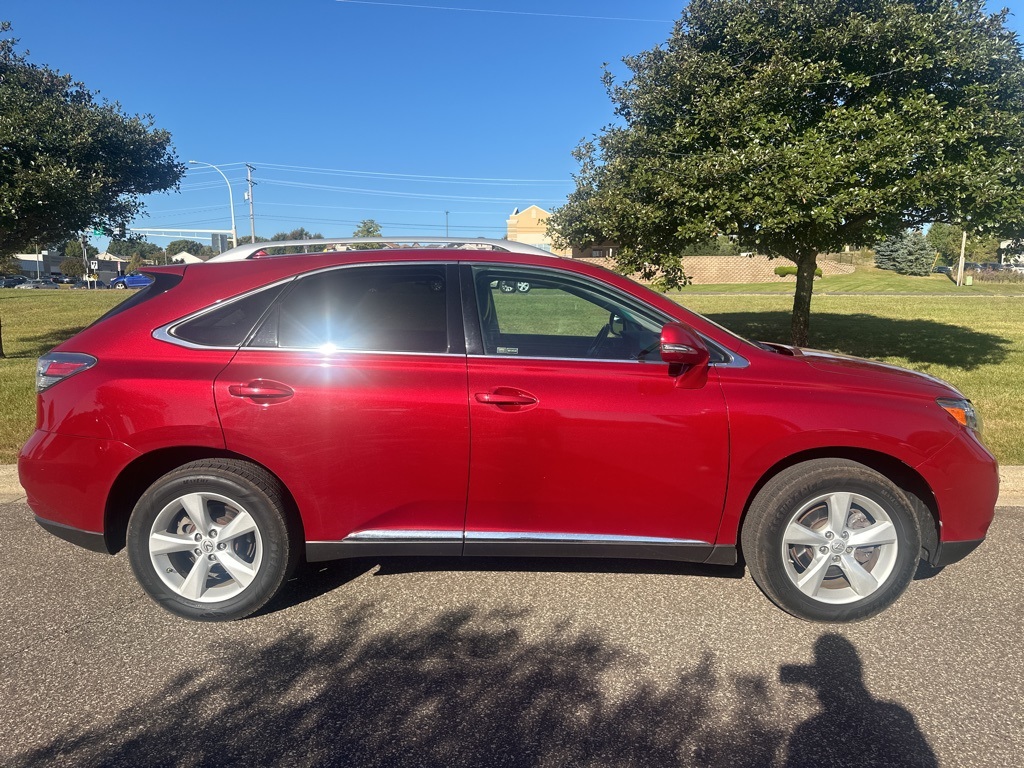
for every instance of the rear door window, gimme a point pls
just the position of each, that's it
(388, 308)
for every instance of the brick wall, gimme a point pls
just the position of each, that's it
(715, 270)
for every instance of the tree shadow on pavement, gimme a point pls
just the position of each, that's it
(463, 688)
(921, 342)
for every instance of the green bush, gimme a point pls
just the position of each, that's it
(786, 271)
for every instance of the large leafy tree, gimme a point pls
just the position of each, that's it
(800, 127)
(128, 248)
(182, 246)
(946, 239)
(68, 160)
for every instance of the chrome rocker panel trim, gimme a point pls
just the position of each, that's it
(387, 543)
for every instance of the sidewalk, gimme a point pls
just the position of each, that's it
(1011, 485)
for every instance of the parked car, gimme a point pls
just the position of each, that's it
(89, 284)
(131, 280)
(237, 416)
(45, 284)
(942, 269)
(12, 281)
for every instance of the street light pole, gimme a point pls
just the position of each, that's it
(231, 199)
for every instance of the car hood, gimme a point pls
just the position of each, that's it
(848, 365)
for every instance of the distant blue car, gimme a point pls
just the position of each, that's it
(131, 280)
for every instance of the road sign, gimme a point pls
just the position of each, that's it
(94, 265)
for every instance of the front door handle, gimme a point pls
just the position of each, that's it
(261, 390)
(505, 396)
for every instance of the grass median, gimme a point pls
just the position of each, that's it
(975, 341)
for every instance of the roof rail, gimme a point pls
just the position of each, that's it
(250, 250)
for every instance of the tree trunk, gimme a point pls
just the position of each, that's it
(2, 355)
(806, 263)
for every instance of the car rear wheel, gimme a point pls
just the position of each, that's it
(210, 540)
(831, 540)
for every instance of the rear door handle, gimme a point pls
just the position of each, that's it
(505, 396)
(261, 390)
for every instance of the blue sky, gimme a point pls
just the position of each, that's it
(395, 111)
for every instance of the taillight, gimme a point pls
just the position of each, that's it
(57, 366)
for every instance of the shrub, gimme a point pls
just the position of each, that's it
(786, 271)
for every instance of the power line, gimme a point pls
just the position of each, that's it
(508, 13)
(409, 176)
(410, 195)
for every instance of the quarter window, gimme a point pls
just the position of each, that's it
(229, 325)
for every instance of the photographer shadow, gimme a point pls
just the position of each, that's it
(853, 728)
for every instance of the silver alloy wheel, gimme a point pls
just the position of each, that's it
(205, 547)
(839, 547)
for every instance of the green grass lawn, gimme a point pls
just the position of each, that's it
(867, 279)
(33, 322)
(973, 340)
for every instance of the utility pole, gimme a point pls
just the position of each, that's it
(85, 252)
(960, 266)
(248, 196)
(446, 223)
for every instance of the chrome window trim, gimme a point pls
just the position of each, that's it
(165, 332)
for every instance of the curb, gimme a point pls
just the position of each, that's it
(1011, 485)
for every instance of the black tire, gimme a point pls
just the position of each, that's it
(236, 566)
(816, 529)
(120, 286)
(507, 286)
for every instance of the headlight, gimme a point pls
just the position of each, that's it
(963, 411)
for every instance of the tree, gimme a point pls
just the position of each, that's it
(73, 250)
(804, 127)
(128, 248)
(366, 228)
(907, 253)
(184, 246)
(947, 238)
(134, 264)
(70, 161)
(72, 267)
(296, 234)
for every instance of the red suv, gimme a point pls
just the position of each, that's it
(236, 416)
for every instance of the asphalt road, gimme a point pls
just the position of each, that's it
(443, 663)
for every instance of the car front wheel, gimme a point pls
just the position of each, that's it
(210, 540)
(831, 540)
(120, 286)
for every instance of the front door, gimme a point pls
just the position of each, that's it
(581, 435)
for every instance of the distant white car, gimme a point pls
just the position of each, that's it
(45, 284)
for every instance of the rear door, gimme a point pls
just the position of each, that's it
(353, 391)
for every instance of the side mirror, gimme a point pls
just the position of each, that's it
(681, 346)
(616, 324)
